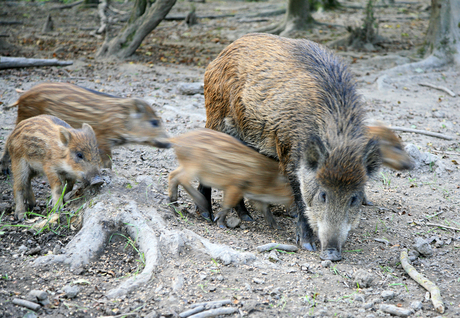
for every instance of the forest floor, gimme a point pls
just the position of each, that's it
(273, 284)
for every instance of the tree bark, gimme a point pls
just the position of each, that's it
(131, 37)
(298, 17)
(443, 35)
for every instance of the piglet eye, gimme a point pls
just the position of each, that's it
(79, 155)
(154, 122)
(322, 197)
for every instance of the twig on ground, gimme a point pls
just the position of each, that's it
(393, 310)
(215, 312)
(422, 132)
(26, 303)
(67, 6)
(432, 216)
(444, 226)
(386, 242)
(212, 304)
(111, 8)
(283, 247)
(422, 280)
(191, 311)
(440, 88)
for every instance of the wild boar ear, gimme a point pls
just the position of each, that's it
(315, 153)
(87, 129)
(138, 109)
(65, 135)
(372, 157)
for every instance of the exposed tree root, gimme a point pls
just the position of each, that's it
(146, 227)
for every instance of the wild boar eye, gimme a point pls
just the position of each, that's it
(322, 197)
(154, 122)
(353, 200)
(79, 155)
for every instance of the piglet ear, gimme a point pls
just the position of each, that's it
(372, 157)
(315, 153)
(138, 108)
(87, 129)
(64, 135)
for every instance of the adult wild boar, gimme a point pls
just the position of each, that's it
(295, 101)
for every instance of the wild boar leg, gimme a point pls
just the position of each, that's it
(232, 196)
(22, 188)
(206, 192)
(4, 162)
(173, 183)
(243, 212)
(304, 233)
(56, 186)
(179, 176)
(265, 208)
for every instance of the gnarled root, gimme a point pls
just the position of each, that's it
(147, 228)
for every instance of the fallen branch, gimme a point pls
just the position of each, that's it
(271, 246)
(215, 312)
(440, 88)
(422, 280)
(67, 6)
(386, 242)
(15, 62)
(26, 303)
(397, 311)
(444, 226)
(10, 22)
(212, 304)
(190, 312)
(422, 132)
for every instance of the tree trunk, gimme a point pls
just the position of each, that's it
(443, 35)
(298, 17)
(131, 37)
(138, 10)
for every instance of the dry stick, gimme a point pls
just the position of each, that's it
(283, 247)
(393, 310)
(26, 303)
(191, 311)
(212, 303)
(440, 88)
(444, 226)
(422, 132)
(215, 312)
(422, 280)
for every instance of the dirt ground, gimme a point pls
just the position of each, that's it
(273, 284)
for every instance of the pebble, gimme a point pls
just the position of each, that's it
(191, 88)
(416, 305)
(233, 222)
(359, 297)
(273, 256)
(363, 278)
(387, 294)
(22, 248)
(71, 291)
(326, 263)
(423, 247)
(258, 281)
(368, 305)
(248, 287)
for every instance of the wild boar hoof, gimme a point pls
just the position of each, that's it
(160, 144)
(207, 216)
(309, 246)
(6, 171)
(331, 254)
(96, 181)
(246, 217)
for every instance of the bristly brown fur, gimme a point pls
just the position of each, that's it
(46, 144)
(221, 161)
(116, 121)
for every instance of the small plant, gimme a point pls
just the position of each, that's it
(132, 243)
(386, 180)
